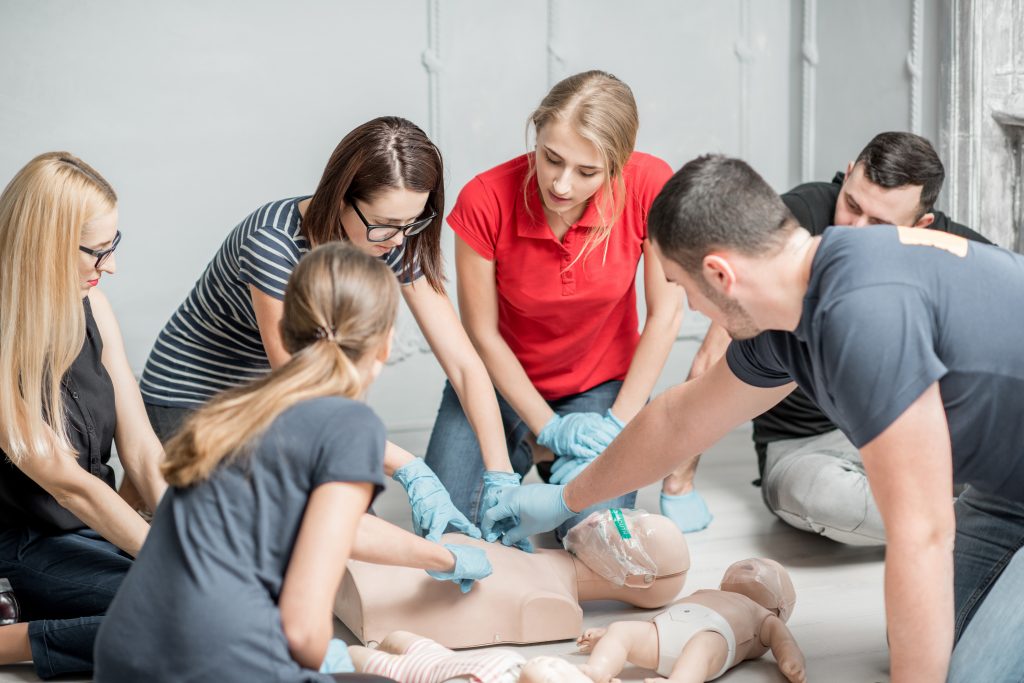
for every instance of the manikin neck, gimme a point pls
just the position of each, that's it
(592, 586)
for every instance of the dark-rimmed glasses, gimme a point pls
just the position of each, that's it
(382, 233)
(102, 254)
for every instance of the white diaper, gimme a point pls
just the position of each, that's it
(679, 623)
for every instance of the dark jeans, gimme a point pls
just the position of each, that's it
(454, 452)
(64, 584)
(166, 421)
(988, 579)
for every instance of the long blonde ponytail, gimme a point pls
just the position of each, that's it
(42, 325)
(339, 307)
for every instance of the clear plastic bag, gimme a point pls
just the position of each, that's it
(612, 543)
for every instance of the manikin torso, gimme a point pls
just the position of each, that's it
(530, 597)
(745, 617)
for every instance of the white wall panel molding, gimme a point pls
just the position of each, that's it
(555, 49)
(914, 58)
(744, 50)
(809, 55)
(409, 340)
(433, 64)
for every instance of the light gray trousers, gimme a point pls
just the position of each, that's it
(818, 484)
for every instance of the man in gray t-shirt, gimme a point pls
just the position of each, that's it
(909, 342)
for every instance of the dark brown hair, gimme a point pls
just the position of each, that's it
(716, 202)
(386, 153)
(898, 159)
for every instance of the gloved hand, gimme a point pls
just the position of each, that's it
(688, 511)
(579, 434)
(471, 564)
(432, 507)
(533, 509)
(494, 483)
(337, 660)
(567, 468)
(614, 422)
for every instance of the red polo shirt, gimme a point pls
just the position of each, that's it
(571, 328)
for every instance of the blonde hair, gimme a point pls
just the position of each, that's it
(42, 323)
(602, 110)
(339, 307)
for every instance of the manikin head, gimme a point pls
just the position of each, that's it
(629, 547)
(764, 581)
(895, 180)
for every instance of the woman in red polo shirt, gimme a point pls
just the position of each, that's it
(547, 248)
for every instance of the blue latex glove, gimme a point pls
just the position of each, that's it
(580, 434)
(688, 511)
(533, 509)
(495, 482)
(567, 468)
(337, 660)
(471, 564)
(432, 507)
(614, 422)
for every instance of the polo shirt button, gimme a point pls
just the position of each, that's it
(568, 277)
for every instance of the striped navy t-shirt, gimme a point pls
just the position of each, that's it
(212, 342)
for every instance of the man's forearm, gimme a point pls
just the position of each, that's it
(673, 428)
(621, 468)
(919, 609)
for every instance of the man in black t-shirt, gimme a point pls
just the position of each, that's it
(812, 477)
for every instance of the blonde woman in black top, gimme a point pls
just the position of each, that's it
(66, 536)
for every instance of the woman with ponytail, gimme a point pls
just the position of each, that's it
(382, 191)
(67, 394)
(269, 485)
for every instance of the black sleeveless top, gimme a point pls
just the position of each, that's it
(89, 411)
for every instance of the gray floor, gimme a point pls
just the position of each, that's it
(839, 620)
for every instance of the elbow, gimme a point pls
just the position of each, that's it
(936, 535)
(306, 642)
(72, 498)
(668, 318)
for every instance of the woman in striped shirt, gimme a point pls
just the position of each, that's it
(383, 191)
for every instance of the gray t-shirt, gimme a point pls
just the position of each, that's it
(888, 312)
(200, 602)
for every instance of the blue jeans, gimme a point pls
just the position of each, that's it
(988, 583)
(454, 453)
(64, 584)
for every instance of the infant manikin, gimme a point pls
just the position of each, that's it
(409, 658)
(530, 597)
(706, 633)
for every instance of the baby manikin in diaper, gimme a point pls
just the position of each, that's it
(705, 634)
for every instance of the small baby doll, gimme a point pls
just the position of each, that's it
(706, 633)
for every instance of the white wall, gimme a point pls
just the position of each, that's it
(198, 112)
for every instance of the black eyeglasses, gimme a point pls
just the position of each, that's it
(382, 233)
(102, 254)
